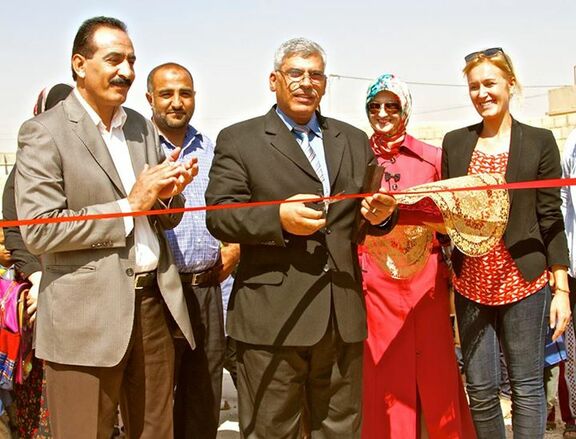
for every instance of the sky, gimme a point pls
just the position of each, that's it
(229, 48)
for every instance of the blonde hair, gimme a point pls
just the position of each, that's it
(500, 60)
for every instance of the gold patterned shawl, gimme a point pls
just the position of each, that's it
(475, 222)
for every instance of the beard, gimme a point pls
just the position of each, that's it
(166, 121)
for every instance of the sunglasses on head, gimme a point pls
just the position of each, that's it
(389, 107)
(493, 51)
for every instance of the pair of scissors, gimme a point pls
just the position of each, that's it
(323, 205)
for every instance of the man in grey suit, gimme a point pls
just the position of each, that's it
(296, 310)
(101, 325)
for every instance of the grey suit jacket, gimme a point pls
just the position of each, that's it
(86, 302)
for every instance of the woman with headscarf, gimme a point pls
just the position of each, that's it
(412, 385)
(31, 412)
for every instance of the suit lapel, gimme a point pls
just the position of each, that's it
(514, 156)
(89, 135)
(283, 140)
(464, 157)
(334, 146)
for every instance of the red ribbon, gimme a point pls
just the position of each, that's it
(535, 184)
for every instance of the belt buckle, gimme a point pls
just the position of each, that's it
(141, 280)
(137, 279)
(196, 279)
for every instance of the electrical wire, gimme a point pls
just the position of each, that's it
(434, 84)
(460, 107)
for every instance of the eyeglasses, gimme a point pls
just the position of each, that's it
(297, 75)
(493, 51)
(389, 107)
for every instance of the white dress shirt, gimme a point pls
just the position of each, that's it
(147, 247)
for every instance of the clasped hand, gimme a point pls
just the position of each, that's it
(161, 181)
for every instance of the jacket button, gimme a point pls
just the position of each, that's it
(130, 272)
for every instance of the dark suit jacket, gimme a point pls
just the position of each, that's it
(25, 262)
(534, 235)
(86, 302)
(286, 285)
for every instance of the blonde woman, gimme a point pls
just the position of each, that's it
(504, 297)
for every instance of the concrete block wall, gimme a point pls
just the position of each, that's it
(7, 160)
(433, 133)
(560, 125)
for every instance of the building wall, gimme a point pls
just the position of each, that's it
(560, 125)
(433, 133)
(6, 163)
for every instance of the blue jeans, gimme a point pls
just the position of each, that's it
(521, 329)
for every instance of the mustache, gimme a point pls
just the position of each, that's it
(121, 81)
(308, 93)
(295, 86)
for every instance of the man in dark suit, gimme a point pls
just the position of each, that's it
(101, 323)
(296, 310)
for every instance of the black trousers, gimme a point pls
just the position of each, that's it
(198, 372)
(285, 391)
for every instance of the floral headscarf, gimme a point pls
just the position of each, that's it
(389, 144)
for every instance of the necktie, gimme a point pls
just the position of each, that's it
(302, 135)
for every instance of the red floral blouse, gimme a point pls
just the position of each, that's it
(493, 279)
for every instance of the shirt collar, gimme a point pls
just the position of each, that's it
(191, 134)
(312, 124)
(118, 119)
(413, 145)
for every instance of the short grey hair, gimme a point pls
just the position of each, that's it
(298, 46)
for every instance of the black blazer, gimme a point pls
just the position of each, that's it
(286, 285)
(534, 235)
